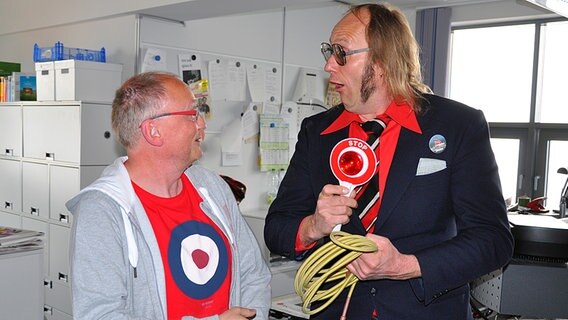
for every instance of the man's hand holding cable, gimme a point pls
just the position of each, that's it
(386, 263)
(332, 208)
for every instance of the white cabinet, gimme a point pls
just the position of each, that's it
(51, 133)
(48, 186)
(54, 314)
(10, 220)
(21, 283)
(63, 184)
(58, 245)
(11, 130)
(58, 294)
(49, 152)
(41, 226)
(10, 185)
(35, 192)
(73, 133)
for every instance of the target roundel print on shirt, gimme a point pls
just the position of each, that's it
(198, 259)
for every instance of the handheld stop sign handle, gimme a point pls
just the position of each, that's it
(353, 162)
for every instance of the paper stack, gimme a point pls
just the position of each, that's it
(18, 240)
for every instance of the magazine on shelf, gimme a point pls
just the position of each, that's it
(15, 239)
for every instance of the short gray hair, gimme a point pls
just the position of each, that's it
(139, 98)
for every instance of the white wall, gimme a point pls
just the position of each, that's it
(255, 35)
(289, 36)
(284, 36)
(117, 35)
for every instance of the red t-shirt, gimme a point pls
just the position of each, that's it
(195, 252)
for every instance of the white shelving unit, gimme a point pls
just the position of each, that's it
(48, 152)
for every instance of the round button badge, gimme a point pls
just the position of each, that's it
(437, 143)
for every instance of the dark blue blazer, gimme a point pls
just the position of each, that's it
(453, 220)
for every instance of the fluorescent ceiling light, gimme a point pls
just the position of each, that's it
(557, 6)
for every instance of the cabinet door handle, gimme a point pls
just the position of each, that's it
(8, 205)
(34, 211)
(48, 284)
(50, 155)
(47, 310)
(63, 218)
(63, 277)
(9, 152)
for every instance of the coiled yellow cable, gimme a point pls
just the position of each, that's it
(315, 272)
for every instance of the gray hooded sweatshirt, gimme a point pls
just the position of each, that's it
(116, 265)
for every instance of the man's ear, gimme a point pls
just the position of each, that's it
(151, 133)
(154, 131)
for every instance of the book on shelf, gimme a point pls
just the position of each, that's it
(19, 86)
(26, 87)
(2, 83)
(6, 68)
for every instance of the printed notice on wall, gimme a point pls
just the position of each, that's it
(274, 142)
(190, 68)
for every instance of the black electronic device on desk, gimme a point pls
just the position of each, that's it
(535, 282)
(542, 237)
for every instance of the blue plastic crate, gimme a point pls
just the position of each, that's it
(60, 52)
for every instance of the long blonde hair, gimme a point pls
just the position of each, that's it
(393, 46)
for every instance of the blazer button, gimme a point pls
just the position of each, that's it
(373, 291)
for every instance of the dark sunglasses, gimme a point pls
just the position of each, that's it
(338, 52)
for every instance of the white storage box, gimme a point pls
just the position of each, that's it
(45, 81)
(86, 80)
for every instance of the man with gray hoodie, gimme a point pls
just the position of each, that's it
(157, 236)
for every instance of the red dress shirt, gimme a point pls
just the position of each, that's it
(401, 115)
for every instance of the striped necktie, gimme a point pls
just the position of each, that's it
(368, 194)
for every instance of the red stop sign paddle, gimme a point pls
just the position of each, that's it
(353, 162)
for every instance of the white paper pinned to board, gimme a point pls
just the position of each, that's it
(154, 60)
(231, 139)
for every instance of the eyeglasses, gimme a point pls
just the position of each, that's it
(338, 52)
(193, 113)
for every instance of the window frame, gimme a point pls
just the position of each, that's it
(533, 136)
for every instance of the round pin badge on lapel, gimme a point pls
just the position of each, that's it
(437, 143)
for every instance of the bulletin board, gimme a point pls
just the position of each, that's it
(227, 84)
(168, 46)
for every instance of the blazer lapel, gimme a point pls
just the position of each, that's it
(401, 173)
(403, 167)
